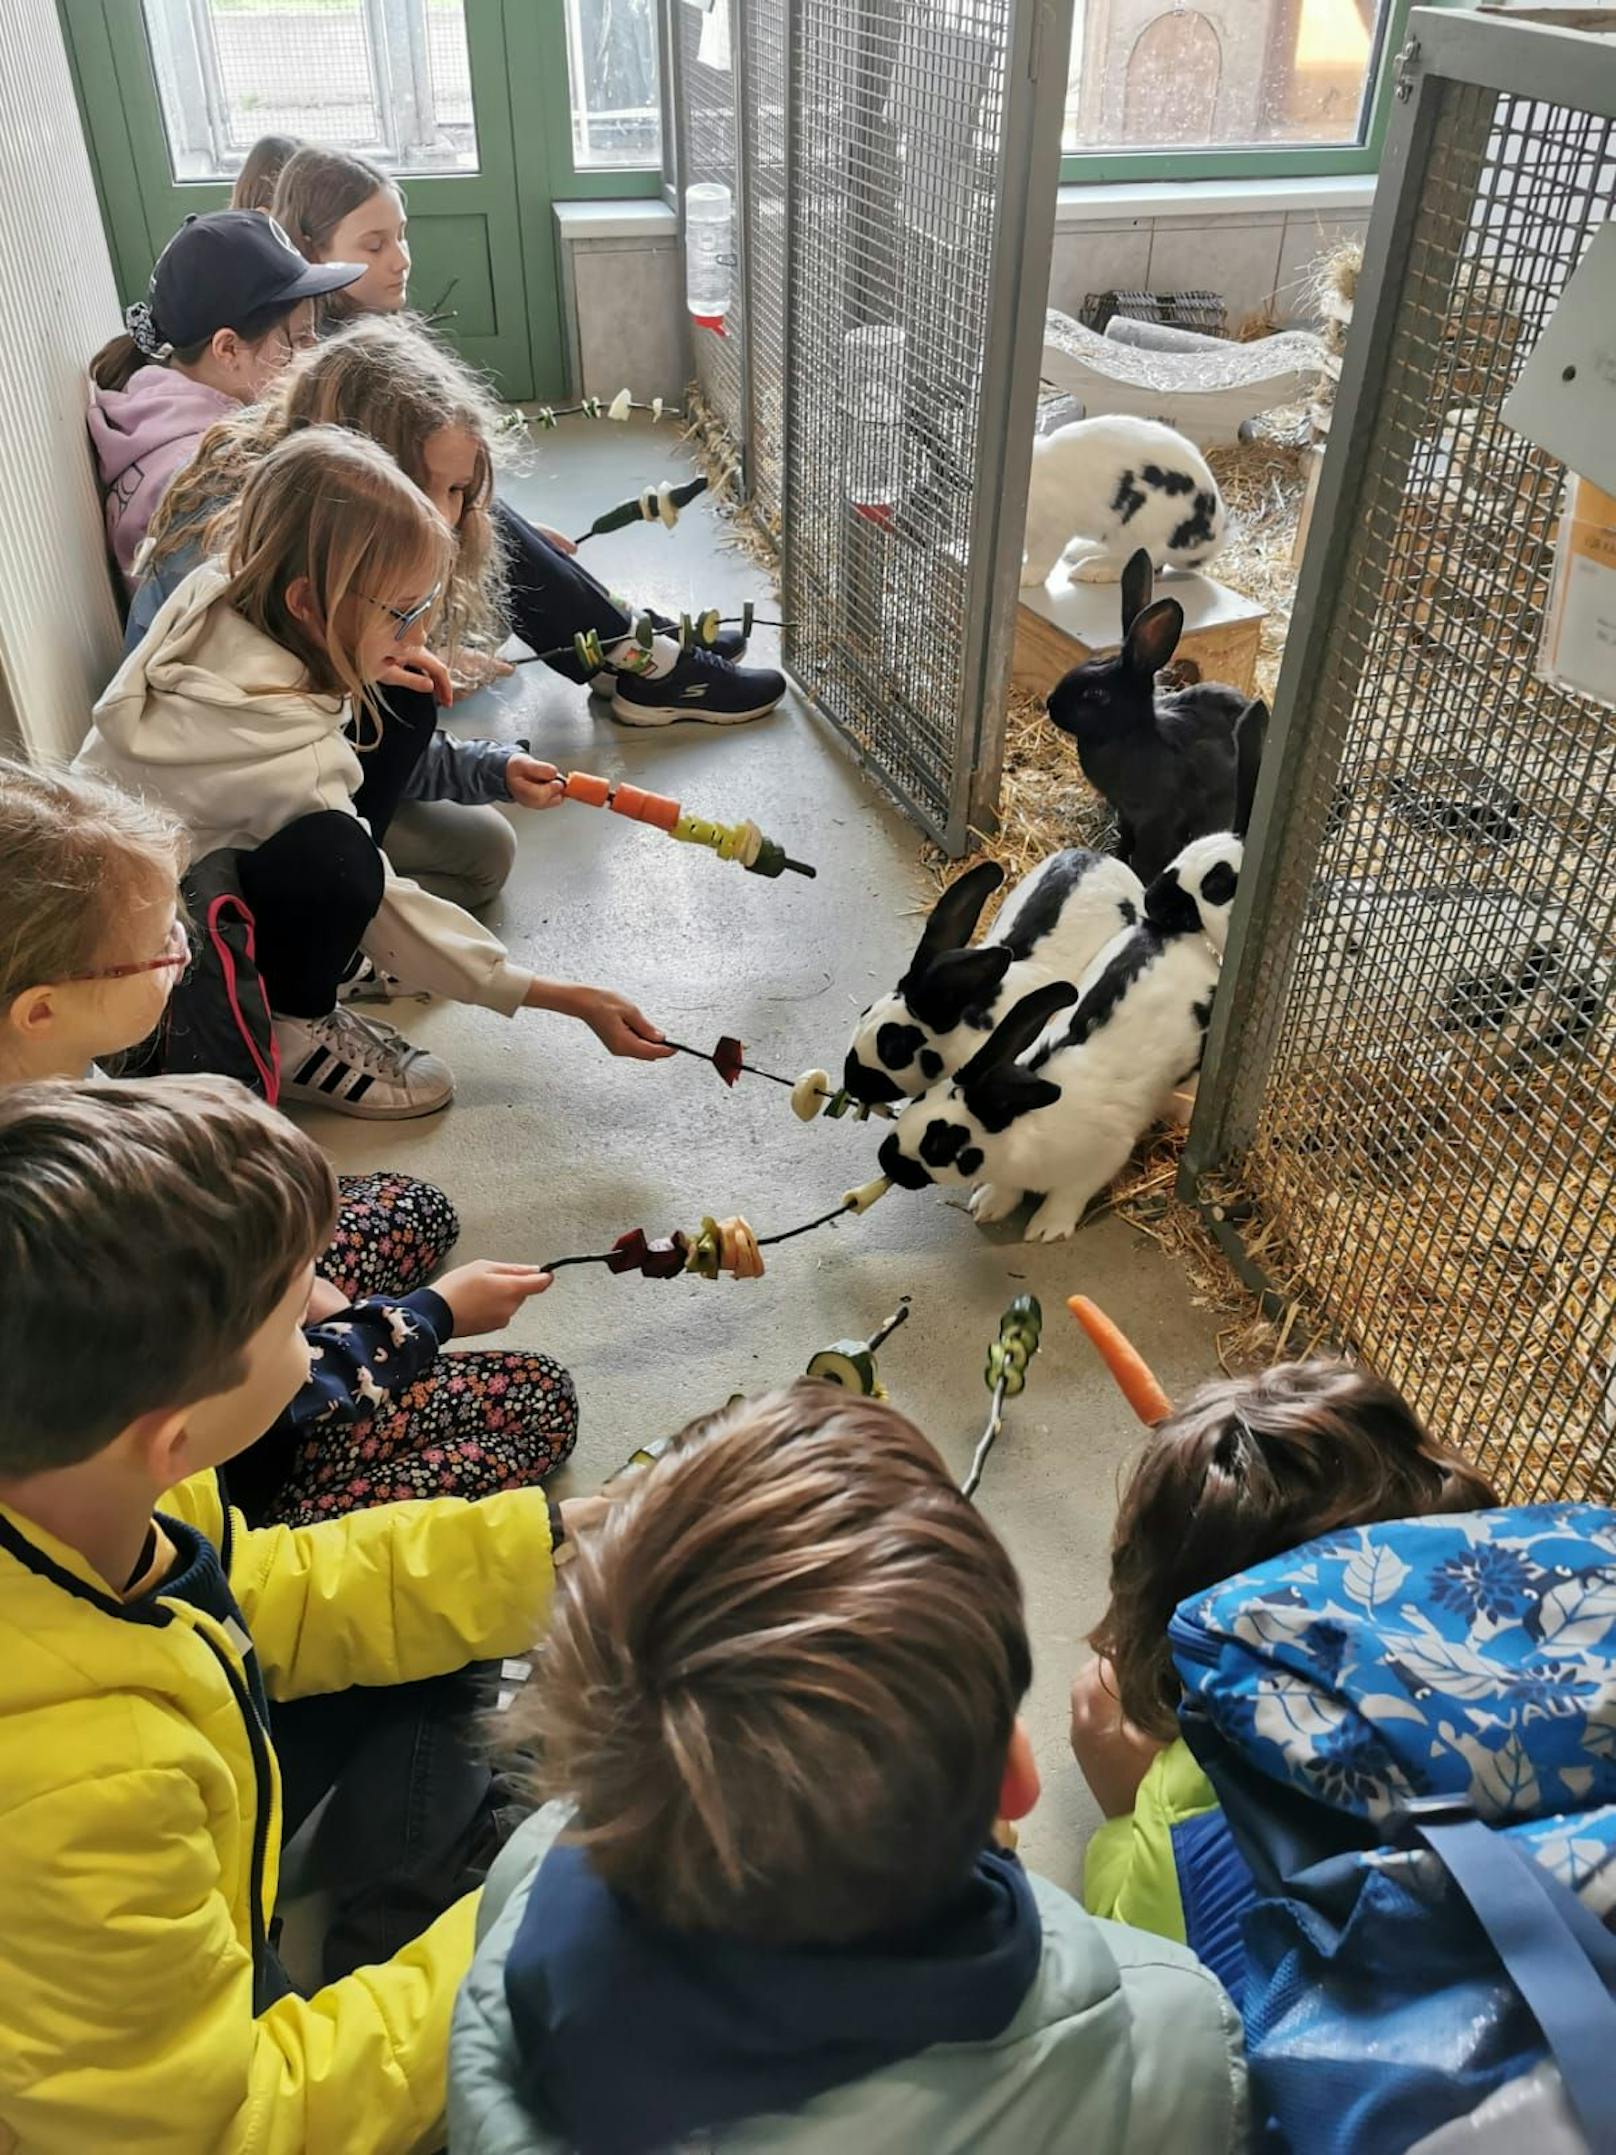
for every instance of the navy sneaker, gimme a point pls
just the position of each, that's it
(729, 644)
(701, 687)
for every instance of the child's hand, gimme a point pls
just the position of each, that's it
(620, 1026)
(475, 669)
(485, 1296)
(558, 539)
(532, 784)
(1113, 1754)
(421, 670)
(324, 1301)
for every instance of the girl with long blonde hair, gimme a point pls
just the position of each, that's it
(241, 710)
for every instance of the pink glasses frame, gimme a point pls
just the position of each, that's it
(179, 958)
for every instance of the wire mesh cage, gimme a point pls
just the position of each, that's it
(1411, 1080)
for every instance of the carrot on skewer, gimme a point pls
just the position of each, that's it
(1133, 1373)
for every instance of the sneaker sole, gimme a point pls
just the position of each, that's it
(362, 1110)
(637, 714)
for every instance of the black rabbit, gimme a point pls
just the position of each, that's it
(1174, 764)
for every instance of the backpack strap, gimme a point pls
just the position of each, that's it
(1555, 1951)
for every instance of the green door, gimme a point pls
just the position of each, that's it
(174, 91)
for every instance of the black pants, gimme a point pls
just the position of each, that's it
(551, 596)
(411, 1824)
(313, 889)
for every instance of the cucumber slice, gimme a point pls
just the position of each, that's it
(849, 1365)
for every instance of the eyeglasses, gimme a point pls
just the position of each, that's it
(176, 953)
(406, 617)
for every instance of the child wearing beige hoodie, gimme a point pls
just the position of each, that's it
(233, 712)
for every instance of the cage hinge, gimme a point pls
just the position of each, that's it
(1407, 62)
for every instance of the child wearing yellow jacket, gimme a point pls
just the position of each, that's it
(157, 1242)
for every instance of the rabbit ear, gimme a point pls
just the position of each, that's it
(955, 915)
(1138, 582)
(1250, 733)
(957, 981)
(1014, 1034)
(1153, 638)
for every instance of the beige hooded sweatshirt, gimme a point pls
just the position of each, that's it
(215, 720)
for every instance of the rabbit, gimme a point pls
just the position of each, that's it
(1119, 483)
(1173, 764)
(1056, 920)
(1055, 1104)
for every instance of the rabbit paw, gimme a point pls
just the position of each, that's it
(1096, 569)
(1054, 1221)
(1033, 576)
(990, 1202)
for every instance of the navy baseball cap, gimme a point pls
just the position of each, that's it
(220, 270)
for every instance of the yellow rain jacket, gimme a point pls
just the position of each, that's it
(140, 1831)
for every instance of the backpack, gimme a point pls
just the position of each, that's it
(218, 1018)
(1412, 1731)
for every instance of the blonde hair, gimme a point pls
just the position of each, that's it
(78, 851)
(261, 170)
(384, 378)
(317, 189)
(335, 509)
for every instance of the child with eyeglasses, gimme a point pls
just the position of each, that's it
(246, 711)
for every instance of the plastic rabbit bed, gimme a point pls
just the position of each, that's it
(1208, 394)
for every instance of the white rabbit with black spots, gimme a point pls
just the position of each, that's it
(1103, 487)
(1054, 1103)
(1055, 922)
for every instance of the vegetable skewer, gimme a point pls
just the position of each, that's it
(850, 1363)
(1135, 1379)
(695, 632)
(811, 1094)
(742, 842)
(1005, 1375)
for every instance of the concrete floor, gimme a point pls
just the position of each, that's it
(552, 1146)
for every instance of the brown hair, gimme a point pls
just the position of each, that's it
(316, 190)
(121, 359)
(78, 851)
(1249, 1468)
(335, 508)
(147, 1230)
(385, 378)
(780, 1680)
(261, 170)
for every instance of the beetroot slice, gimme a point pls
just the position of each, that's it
(729, 1059)
(628, 1252)
(665, 1260)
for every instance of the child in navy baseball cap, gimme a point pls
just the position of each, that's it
(230, 302)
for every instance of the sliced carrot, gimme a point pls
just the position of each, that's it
(628, 800)
(586, 787)
(660, 810)
(1133, 1373)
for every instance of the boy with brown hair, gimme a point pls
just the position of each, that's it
(778, 1706)
(157, 1243)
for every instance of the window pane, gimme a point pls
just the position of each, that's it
(389, 79)
(1221, 74)
(612, 57)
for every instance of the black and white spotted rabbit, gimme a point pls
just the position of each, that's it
(1054, 1103)
(1103, 487)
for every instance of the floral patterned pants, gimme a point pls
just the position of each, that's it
(501, 1418)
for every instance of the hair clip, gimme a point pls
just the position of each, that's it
(141, 326)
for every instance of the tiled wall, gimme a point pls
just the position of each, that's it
(1254, 258)
(59, 631)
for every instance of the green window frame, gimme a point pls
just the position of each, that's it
(547, 21)
(1259, 161)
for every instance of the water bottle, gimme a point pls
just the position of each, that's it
(709, 214)
(873, 375)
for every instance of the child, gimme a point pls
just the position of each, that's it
(1248, 1468)
(780, 1697)
(332, 205)
(157, 1243)
(91, 943)
(230, 301)
(260, 171)
(232, 711)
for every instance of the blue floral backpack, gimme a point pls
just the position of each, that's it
(1412, 1731)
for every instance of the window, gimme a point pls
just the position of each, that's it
(389, 79)
(612, 62)
(1258, 75)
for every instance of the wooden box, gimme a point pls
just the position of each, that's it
(1063, 624)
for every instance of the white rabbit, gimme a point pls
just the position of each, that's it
(1055, 1103)
(1103, 487)
(1055, 922)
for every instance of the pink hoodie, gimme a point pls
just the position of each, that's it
(142, 436)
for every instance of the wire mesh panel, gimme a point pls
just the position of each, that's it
(1413, 1067)
(921, 156)
(705, 75)
(764, 43)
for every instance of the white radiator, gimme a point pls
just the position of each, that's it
(59, 631)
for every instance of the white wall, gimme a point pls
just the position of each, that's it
(59, 632)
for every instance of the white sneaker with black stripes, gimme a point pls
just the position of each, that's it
(356, 1065)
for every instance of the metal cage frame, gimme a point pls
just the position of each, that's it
(941, 764)
(1322, 708)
